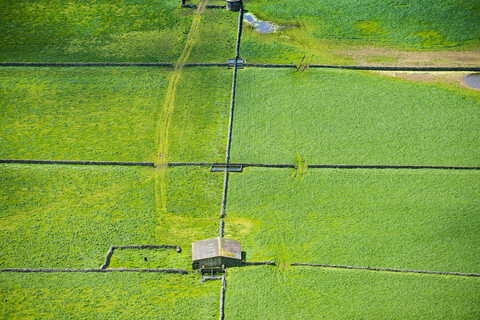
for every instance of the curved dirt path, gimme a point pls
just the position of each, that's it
(164, 120)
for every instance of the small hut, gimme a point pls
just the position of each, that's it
(234, 5)
(216, 253)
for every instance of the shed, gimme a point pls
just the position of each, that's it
(216, 253)
(234, 5)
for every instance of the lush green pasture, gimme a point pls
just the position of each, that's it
(80, 113)
(349, 117)
(107, 296)
(93, 30)
(405, 219)
(198, 129)
(68, 216)
(193, 200)
(217, 37)
(325, 30)
(149, 258)
(310, 293)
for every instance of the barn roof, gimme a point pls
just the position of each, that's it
(216, 247)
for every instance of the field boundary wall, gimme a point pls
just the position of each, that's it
(48, 270)
(85, 163)
(85, 64)
(205, 65)
(386, 269)
(230, 120)
(222, 298)
(252, 65)
(374, 68)
(243, 164)
(346, 166)
(259, 263)
(111, 250)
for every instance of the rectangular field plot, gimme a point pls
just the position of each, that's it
(193, 198)
(92, 31)
(68, 217)
(107, 296)
(199, 123)
(347, 117)
(403, 219)
(314, 293)
(103, 114)
(422, 32)
(217, 37)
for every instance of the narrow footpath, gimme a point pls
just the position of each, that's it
(163, 122)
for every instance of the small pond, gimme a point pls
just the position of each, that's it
(260, 26)
(473, 80)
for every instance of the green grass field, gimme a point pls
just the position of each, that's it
(404, 219)
(104, 114)
(314, 293)
(192, 211)
(350, 117)
(68, 216)
(217, 37)
(324, 31)
(64, 216)
(198, 129)
(107, 296)
(93, 30)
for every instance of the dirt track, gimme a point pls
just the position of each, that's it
(163, 122)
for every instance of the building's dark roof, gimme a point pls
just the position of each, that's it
(216, 247)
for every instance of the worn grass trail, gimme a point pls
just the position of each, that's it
(163, 122)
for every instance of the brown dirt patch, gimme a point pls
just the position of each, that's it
(384, 56)
(449, 78)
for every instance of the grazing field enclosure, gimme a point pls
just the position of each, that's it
(306, 292)
(197, 130)
(338, 154)
(92, 30)
(68, 216)
(215, 44)
(417, 219)
(111, 295)
(193, 196)
(88, 113)
(350, 117)
(372, 31)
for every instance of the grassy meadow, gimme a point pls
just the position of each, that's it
(93, 30)
(351, 117)
(404, 219)
(198, 128)
(68, 216)
(217, 37)
(193, 200)
(107, 296)
(62, 216)
(307, 293)
(103, 114)
(331, 32)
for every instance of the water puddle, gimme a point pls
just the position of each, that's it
(473, 80)
(259, 25)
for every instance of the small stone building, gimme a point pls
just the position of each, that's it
(234, 5)
(216, 253)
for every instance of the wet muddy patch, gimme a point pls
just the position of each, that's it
(472, 80)
(259, 25)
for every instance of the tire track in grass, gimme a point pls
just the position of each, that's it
(164, 120)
